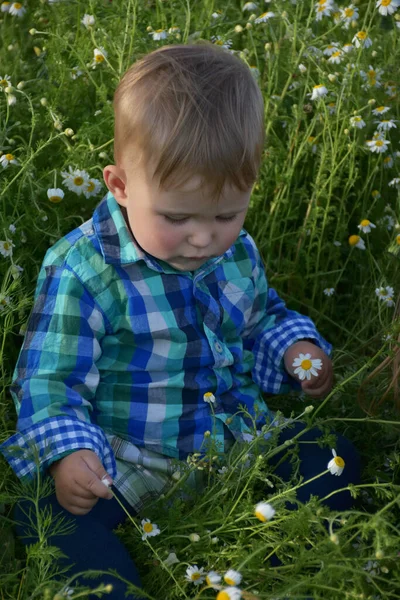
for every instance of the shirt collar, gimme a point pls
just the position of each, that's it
(118, 246)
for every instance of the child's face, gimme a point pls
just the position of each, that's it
(183, 227)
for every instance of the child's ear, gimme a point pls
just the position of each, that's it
(115, 180)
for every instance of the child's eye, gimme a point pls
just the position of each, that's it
(226, 219)
(175, 221)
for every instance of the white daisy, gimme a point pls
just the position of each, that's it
(174, 30)
(388, 162)
(229, 593)
(329, 291)
(6, 247)
(93, 188)
(377, 145)
(365, 226)
(393, 183)
(158, 34)
(88, 20)
(302, 68)
(7, 159)
(361, 40)
(209, 398)
(55, 195)
(5, 7)
(4, 301)
(12, 228)
(331, 48)
(336, 58)
(387, 221)
(323, 8)
(357, 242)
(219, 41)
(336, 464)
(232, 577)
(386, 124)
(75, 73)
(331, 108)
(11, 99)
(99, 56)
(349, 15)
(195, 575)
(358, 122)
(17, 9)
(389, 301)
(250, 6)
(348, 48)
(387, 7)
(5, 82)
(150, 529)
(76, 180)
(264, 512)
(380, 110)
(306, 366)
(319, 91)
(384, 292)
(264, 17)
(213, 578)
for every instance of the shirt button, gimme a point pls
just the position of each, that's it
(218, 347)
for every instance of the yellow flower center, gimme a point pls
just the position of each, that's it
(148, 527)
(316, 87)
(55, 199)
(219, 42)
(4, 82)
(365, 223)
(339, 462)
(349, 12)
(386, 2)
(260, 516)
(7, 246)
(398, 239)
(90, 186)
(78, 180)
(372, 82)
(387, 159)
(362, 35)
(208, 395)
(223, 595)
(306, 364)
(9, 156)
(263, 15)
(229, 581)
(380, 109)
(17, 5)
(375, 193)
(379, 143)
(3, 302)
(99, 58)
(159, 30)
(354, 239)
(371, 73)
(195, 576)
(336, 53)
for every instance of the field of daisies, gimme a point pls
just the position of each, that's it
(325, 214)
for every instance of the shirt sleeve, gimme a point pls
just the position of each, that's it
(272, 328)
(56, 377)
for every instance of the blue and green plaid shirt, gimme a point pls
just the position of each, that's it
(121, 346)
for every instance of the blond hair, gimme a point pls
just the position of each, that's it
(193, 109)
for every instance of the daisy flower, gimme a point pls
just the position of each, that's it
(93, 188)
(323, 8)
(336, 464)
(306, 366)
(195, 575)
(264, 17)
(387, 7)
(55, 195)
(365, 226)
(389, 301)
(394, 182)
(336, 58)
(229, 593)
(361, 40)
(349, 15)
(5, 82)
(17, 9)
(380, 110)
(232, 577)
(212, 578)
(6, 247)
(386, 124)
(387, 221)
(5, 6)
(75, 73)
(319, 91)
(329, 291)
(250, 6)
(331, 48)
(264, 512)
(219, 41)
(383, 293)
(158, 34)
(209, 398)
(4, 301)
(388, 162)
(6, 159)
(88, 20)
(377, 145)
(348, 48)
(357, 121)
(150, 529)
(76, 180)
(331, 108)
(302, 68)
(357, 241)
(99, 56)
(376, 194)
(174, 30)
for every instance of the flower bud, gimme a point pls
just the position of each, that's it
(33, 31)
(207, 433)
(57, 125)
(249, 26)
(372, 101)
(346, 132)
(309, 409)
(69, 132)
(334, 539)
(332, 78)
(238, 29)
(267, 46)
(194, 537)
(379, 554)
(43, 101)
(9, 89)
(21, 85)
(252, 17)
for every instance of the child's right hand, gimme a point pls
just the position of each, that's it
(78, 481)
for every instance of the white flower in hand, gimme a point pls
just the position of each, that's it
(306, 366)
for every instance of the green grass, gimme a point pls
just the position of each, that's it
(318, 181)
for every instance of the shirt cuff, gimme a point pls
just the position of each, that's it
(45, 442)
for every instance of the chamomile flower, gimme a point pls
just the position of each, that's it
(331, 108)
(336, 58)
(232, 577)
(8, 159)
(17, 9)
(209, 398)
(219, 41)
(4, 301)
(357, 242)
(99, 56)
(158, 34)
(388, 222)
(394, 183)
(383, 293)
(319, 91)
(5, 7)
(389, 301)
(348, 48)
(302, 68)
(386, 124)
(250, 6)
(195, 575)
(349, 15)
(361, 40)
(75, 73)
(388, 162)
(264, 512)
(306, 366)
(213, 578)
(378, 145)
(357, 122)
(88, 20)
(55, 195)
(329, 291)
(264, 17)
(387, 7)
(336, 464)
(323, 8)
(331, 48)
(93, 188)
(380, 110)
(5, 82)
(149, 529)
(6, 247)
(229, 593)
(366, 226)
(76, 180)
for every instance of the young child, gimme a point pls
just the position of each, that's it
(154, 303)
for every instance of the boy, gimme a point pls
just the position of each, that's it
(157, 300)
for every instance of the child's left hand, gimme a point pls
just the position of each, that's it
(318, 385)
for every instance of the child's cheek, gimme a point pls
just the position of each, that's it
(168, 240)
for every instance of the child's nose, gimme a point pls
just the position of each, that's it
(201, 238)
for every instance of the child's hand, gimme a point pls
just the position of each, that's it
(78, 481)
(318, 385)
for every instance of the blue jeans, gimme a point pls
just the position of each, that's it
(93, 545)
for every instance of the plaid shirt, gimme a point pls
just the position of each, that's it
(120, 349)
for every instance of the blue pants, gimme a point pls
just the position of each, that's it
(93, 545)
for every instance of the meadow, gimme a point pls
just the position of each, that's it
(325, 214)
